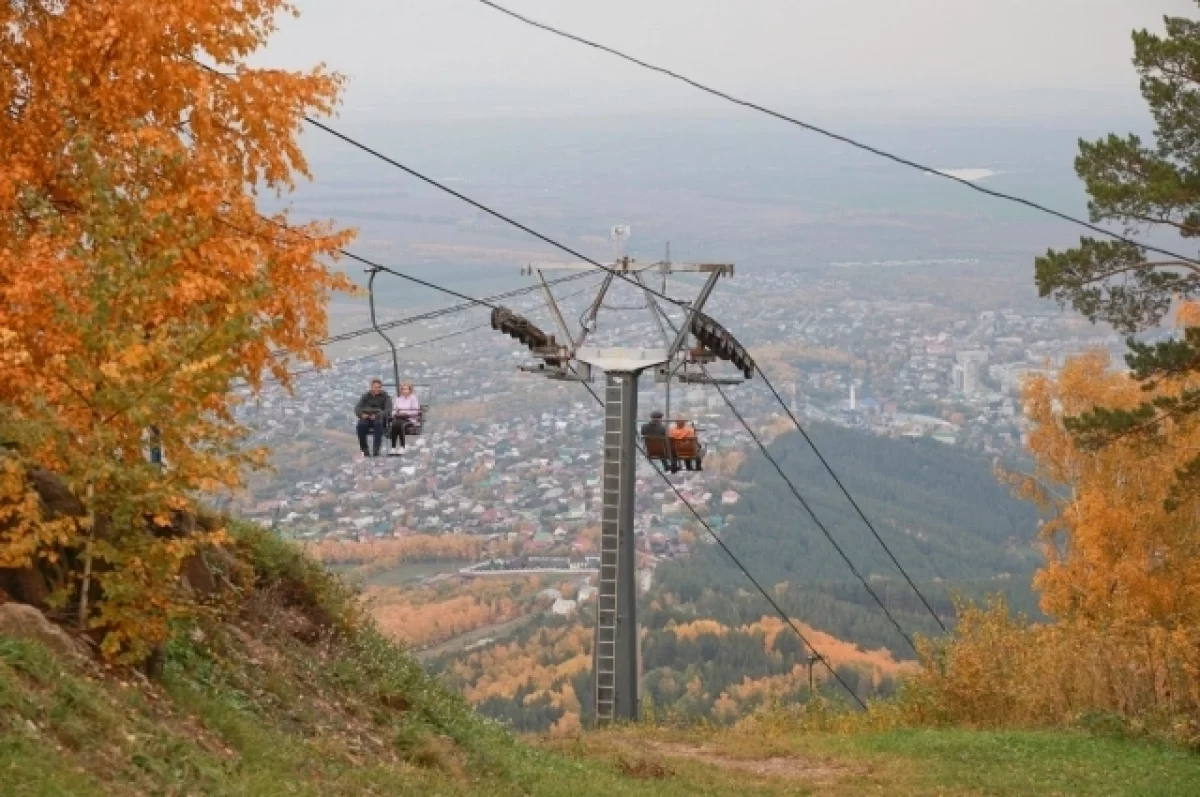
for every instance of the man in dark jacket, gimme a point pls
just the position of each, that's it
(655, 436)
(371, 409)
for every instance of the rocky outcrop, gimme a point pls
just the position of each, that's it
(33, 584)
(23, 621)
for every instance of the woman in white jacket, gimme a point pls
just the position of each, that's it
(406, 410)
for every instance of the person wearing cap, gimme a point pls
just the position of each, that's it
(657, 430)
(371, 409)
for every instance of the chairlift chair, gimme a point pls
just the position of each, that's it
(665, 449)
(413, 427)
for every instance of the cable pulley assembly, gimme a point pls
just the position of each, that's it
(528, 333)
(718, 340)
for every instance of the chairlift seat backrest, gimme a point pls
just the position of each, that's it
(686, 448)
(656, 447)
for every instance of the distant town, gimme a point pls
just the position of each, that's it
(514, 459)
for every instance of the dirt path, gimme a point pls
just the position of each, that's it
(788, 767)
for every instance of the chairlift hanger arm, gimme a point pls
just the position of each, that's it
(652, 306)
(375, 323)
(726, 348)
(696, 307)
(588, 322)
(554, 311)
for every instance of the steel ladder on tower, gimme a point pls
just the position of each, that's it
(606, 614)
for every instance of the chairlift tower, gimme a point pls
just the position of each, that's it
(616, 655)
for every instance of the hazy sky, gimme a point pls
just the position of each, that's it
(429, 58)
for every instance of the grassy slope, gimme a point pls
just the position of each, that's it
(899, 763)
(248, 709)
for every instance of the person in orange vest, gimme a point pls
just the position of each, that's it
(682, 431)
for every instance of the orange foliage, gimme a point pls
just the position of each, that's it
(1122, 579)
(419, 547)
(1113, 551)
(501, 670)
(423, 617)
(696, 628)
(568, 725)
(1003, 671)
(432, 623)
(724, 708)
(26, 535)
(138, 280)
(120, 147)
(836, 651)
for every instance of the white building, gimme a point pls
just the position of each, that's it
(967, 371)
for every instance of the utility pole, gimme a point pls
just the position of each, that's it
(615, 651)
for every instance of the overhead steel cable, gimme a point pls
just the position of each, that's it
(444, 311)
(829, 469)
(418, 343)
(413, 345)
(817, 521)
(808, 508)
(461, 196)
(471, 303)
(838, 136)
(480, 206)
(738, 563)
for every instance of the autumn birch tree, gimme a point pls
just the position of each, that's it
(139, 278)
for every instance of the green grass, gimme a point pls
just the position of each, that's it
(907, 762)
(1014, 763)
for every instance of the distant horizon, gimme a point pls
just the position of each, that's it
(862, 107)
(834, 58)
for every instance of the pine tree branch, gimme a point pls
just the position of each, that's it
(1144, 266)
(1183, 228)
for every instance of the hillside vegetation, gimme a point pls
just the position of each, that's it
(941, 511)
(293, 694)
(711, 646)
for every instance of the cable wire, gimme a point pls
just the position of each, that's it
(836, 136)
(480, 206)
(809, 509)
(461, 196)
(415, 344)
(457, 308)
(845, 492)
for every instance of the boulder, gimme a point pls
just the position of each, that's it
(25, 584)
(197, 576)
(23, 621)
